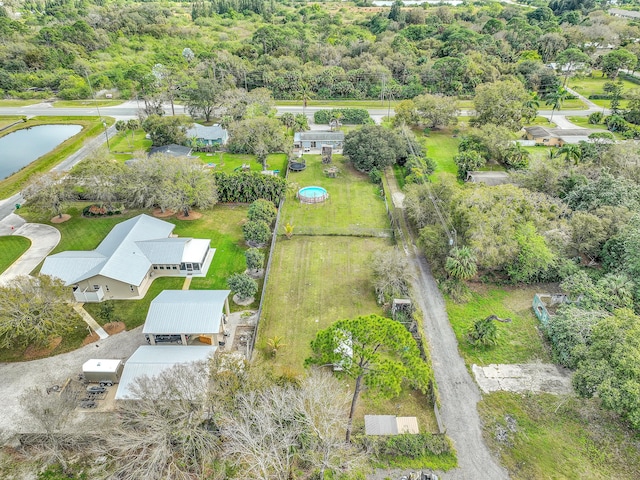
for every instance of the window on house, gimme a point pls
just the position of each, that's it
(96, 287)
(155, 267)
(106, 287)
(174, 267)
(131, 287)
(161, 267)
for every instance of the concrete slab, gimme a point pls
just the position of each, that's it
(528, 377)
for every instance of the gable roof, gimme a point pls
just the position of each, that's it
(173, 150)
(538, 131)
(186, 311)
(318, 136)
(118, 256)
(151, 360)
(214, 132)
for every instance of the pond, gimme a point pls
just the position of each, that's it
(18, 149)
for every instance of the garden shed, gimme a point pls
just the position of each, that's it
(195, 314)
(390, 425)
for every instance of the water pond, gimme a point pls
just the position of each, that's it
(18, 149)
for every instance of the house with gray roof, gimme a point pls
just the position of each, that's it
(557, 137)
(214, 135)
(193, 314)
(128, 259)
(154, 360)
(173, 150)
(315, 140)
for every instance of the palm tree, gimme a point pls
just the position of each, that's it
(461, 263)
(555, 99)
(532, 105)
(274, 344)
(306, 94)
(288, 120)
(571, 152)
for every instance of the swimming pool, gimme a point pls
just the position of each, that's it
(312, 195)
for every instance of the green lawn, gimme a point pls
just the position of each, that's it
(353, 207)
(556, 437)
(338, 103)
(101, 102)
(18, 103)
(232, 162)
(123, 146)
(11, 248)
(594, 84)
(315, 281)
(569, 104)
(7, 120)
(520, 341)
(442, 146)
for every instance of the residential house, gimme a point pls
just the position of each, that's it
(557, 137)
(126, 261)
(315, 140)
(192, 314)
(202, 136)
(153, 360)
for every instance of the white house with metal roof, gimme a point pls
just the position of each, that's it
(128, 259)
(315, 139)
(152, 360)
(192, 314)
(213, 135)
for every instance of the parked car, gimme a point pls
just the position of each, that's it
(96, 389)
(166, 338)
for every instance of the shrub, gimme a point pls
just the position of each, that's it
(247, 187)
(100, 211)
(242, 285)
(596, 118)
(348, 116)
(263, 210)
(411, 445)
(256, 232)
(255, 259)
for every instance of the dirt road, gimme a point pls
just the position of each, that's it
(459, 394)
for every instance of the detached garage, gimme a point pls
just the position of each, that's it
(180, 316)
(153, 360)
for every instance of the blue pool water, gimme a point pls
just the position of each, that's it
(312, 193)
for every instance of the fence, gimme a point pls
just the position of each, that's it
(348, 231)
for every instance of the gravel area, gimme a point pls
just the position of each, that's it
(528, 377)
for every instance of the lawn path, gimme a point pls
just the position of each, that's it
(458, 392)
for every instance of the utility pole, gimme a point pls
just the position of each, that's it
(104, 123)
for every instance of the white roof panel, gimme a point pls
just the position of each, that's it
(195, 250)
(101, 365)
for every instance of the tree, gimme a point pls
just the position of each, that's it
(468, 161)
(242, 285)
(568, 60)
(534, 259)
(203, 98)
(501, 103)
(256, 232)
(166, 130)
(254, 258)
(436, 111)
(132, 125)
(168, 431)
(274, 344)
(376, 352)
(33, 309)
(555, 99)
(391, 274)
(47, 193)
(614, 90)
(100, 177)
(587, 234)
(616, 60)
(611, 366)
(288, 120)
(571, 152)
(301, 122)
(406, 113)
(461, 263)
(257, 136)
(262, 210)
(187, 185)
(374, 147)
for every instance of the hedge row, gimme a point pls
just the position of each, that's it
(247, 187)
(348, 116)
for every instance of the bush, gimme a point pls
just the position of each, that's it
(247, 187)
(242, 285)
(100, 211)
(255, 259)
(256, 232)
(348, 116)
(263, 210)
(596, 118)
(411, 445)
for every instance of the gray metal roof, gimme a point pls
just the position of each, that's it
(173, 150)
(190, 312)
(152, 360)
(118, 255)
(214, 132)
(380, 425)
(317, 136)
(538, 131)
(624, 13)
(489, 178)
(163, 250)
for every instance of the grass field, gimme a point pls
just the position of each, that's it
(554, 437)
(11, 248)
(101, 102)
(342, 103)
(354, 202)
(91, 128)
(442, 146)
(233, 162)
(7, 120)
(520, 340)
(315, 281)
(18, 103)
(594, 84)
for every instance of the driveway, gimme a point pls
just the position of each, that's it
(17, 378)
(44, 238)
(527, 377)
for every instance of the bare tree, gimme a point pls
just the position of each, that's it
(322, 402)
(164, 431)
(261, 437)
(392, 274)
(47, 193)
(48, 415)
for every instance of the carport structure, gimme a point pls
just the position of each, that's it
(190, 314)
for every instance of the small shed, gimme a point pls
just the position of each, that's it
(102, 370)
(172, 149)
(153, 360)
(188, 313)
(390, 425)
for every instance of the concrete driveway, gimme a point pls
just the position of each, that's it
(44, 238)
